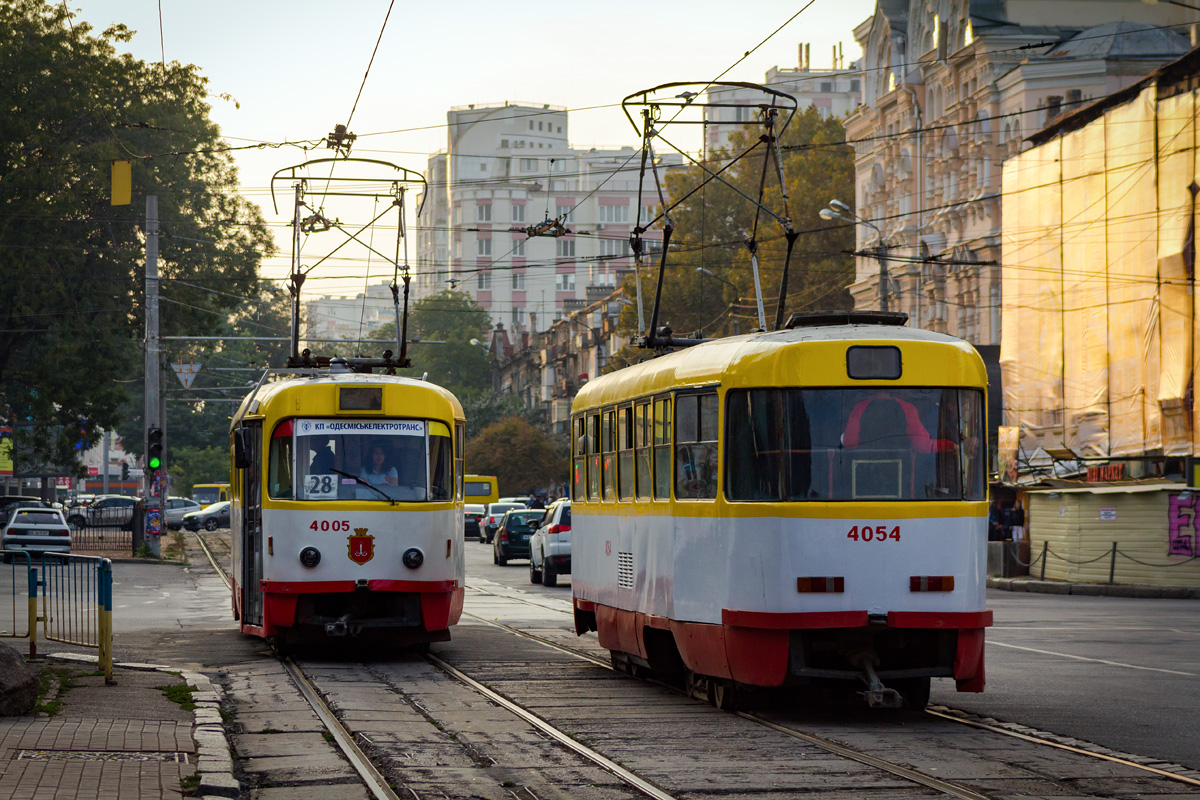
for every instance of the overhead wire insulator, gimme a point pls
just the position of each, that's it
(340, 140)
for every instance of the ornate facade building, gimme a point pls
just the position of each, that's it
(951, 88)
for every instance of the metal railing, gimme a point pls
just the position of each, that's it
(76, 602)
(18, 619)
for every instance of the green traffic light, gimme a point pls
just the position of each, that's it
(155, 463)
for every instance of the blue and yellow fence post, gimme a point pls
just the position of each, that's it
(33, 611)
(104, 622)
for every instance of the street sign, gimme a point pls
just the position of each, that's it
(186, 373)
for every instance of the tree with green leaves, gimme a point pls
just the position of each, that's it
(441, 327)
(708, 285)
(521, 456)
(73, 264)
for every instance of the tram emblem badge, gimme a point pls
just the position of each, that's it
(361, 547)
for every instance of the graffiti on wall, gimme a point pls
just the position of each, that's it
(1183, 539)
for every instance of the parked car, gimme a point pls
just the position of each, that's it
(10, 501)
(210, 517)
(512, 537)
(176, 508)
(495, 513)
(472, 517)
(106, 511)
(550, 545)
(35, 529)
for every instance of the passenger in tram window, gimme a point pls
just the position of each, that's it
(323, 457)
(376, 473)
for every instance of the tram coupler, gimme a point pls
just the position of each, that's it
(877, 695)
(342, 627)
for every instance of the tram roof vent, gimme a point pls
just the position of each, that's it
(813, 319)
(338, 364)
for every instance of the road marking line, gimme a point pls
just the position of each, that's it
(1094, 660)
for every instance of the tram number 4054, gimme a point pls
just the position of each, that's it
(879, 533)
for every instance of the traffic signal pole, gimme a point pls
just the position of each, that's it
(154, 480)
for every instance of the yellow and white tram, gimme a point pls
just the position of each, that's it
(778, 508)
(347, 508)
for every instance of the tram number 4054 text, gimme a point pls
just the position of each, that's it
(878, 533)
(327, 525)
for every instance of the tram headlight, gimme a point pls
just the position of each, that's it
(413, 558)
(310, 557)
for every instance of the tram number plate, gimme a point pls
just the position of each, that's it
(318, 486)
(328, 525)
(877, 533)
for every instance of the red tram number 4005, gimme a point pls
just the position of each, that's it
(326, 525)
(878, 533)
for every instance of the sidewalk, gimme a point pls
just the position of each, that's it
(122, 742)
(1027, 584)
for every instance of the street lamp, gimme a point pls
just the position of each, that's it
(841, 212)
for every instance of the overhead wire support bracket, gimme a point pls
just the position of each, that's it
(678, 94)
(398, 180)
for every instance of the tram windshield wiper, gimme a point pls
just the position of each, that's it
(381, 492)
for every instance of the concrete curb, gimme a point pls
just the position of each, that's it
(1094, 589)
(214, 757)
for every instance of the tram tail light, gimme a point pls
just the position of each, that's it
(931, 583)
(835, 585)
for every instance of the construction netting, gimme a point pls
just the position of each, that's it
(1098, 309)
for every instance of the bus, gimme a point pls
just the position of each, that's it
(208, 493)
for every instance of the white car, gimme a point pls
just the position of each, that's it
(36, 530)
(550, 545)
(176, 508)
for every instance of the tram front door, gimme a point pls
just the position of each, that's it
(251, 532)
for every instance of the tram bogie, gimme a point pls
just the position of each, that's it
(801, 507)
(347, 512)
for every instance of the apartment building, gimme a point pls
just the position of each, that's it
(524, 222)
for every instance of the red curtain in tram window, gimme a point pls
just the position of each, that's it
(283, 429)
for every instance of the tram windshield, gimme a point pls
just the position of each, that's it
(371, 460)
(869, 444)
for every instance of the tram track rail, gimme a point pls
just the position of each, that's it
(941, 712)
(346, 742)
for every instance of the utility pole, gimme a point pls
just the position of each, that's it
(154, 492)
(881, 254)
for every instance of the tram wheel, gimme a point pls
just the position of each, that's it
(420, 648)
(721, 695)
(914, 692)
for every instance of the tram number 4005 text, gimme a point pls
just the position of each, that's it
(879, 533)
(327, 525)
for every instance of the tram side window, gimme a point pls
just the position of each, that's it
(579, 468)
(593, 449)
(662, 449)
(279, 466)
(608, 456)
(696, 446)
(459, 452)
(625, 453)
(974, 453)
(441, 477)
(641, 443)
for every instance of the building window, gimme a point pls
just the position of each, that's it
(614, 248)
(564, 282)
(528, 165)
(518, 247)
(539, 124)
(517, 313)
(854, 86)
(483, 167)
(565, 213)
(484, 280)
(504, 144)
(826, 86)
(558, 165)
(483, 213)
(483, 247)
(530, 124)
(518, 281)
(566, 248)
(518, 213)
(614, 214)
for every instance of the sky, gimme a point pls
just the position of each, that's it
(292, 70)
